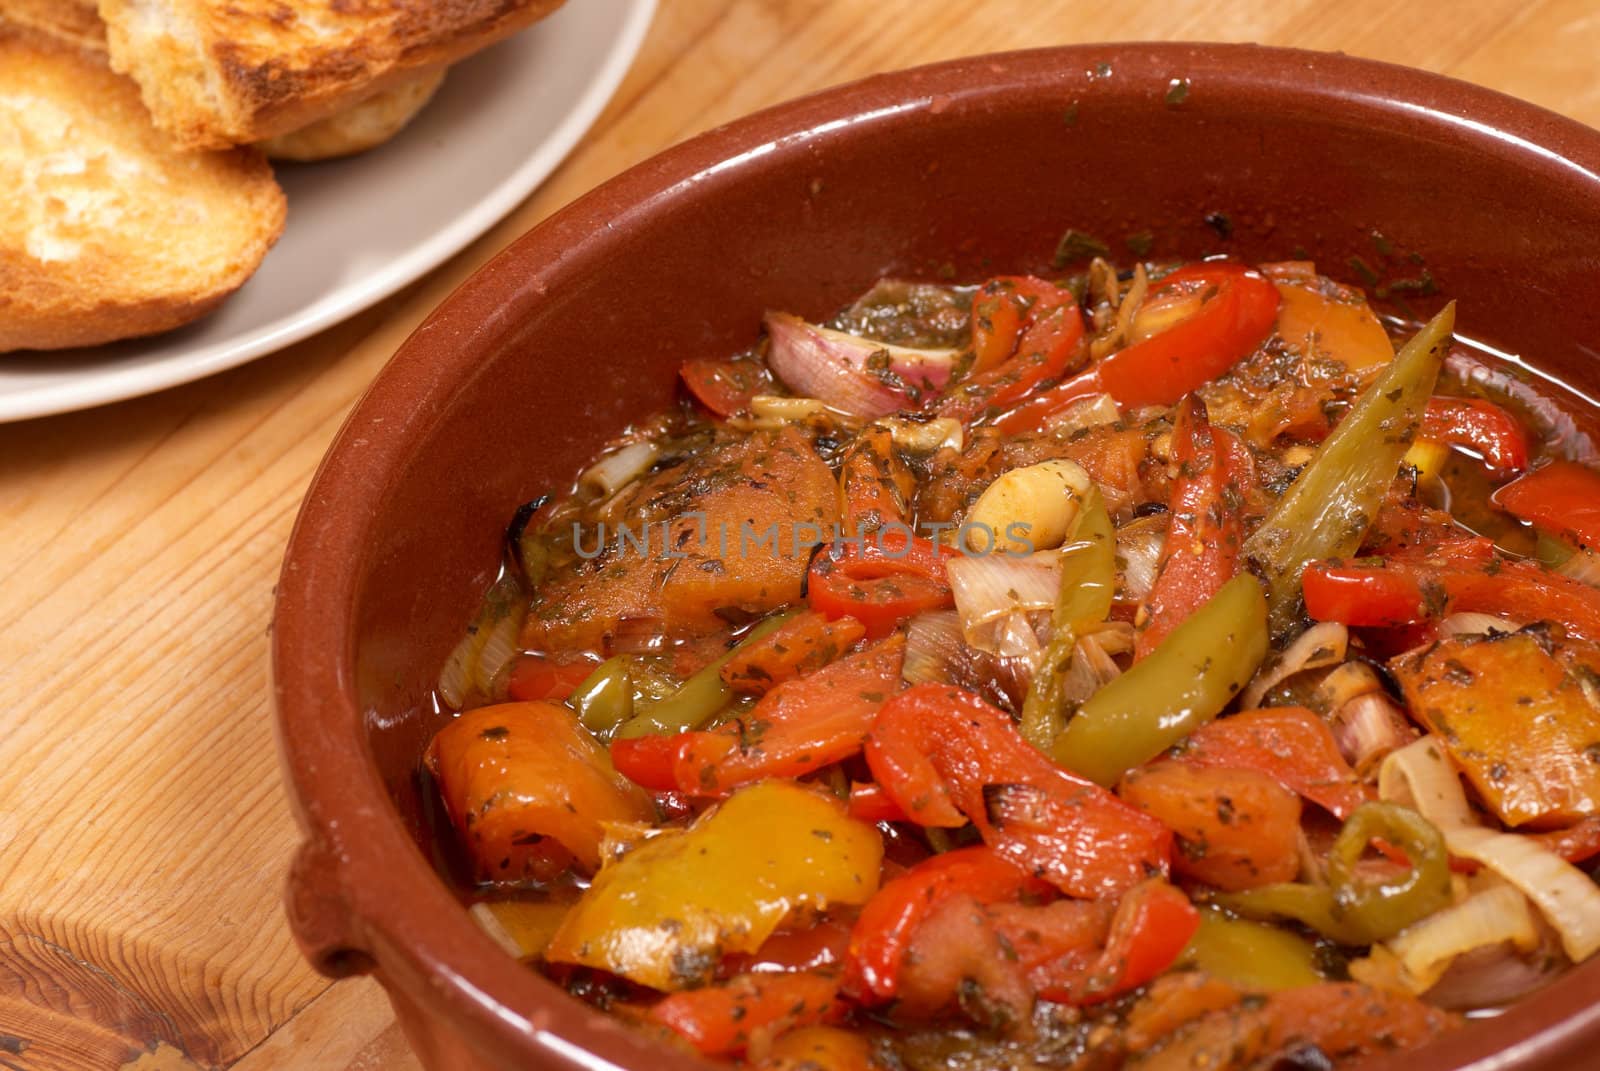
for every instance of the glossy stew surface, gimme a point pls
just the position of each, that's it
(1161, 667)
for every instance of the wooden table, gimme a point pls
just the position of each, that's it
(143, 832)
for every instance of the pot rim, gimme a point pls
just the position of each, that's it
(357, 851)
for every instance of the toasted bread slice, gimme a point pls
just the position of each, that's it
(74, 21)
(360, 127)
(230, 72)
(106, 231)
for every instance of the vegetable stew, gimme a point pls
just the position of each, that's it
(1170, 667)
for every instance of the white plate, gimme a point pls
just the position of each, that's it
(362, 228)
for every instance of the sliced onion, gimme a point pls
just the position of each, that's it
(1092, 666)
(1139, 557)
(620, 468)
(1015, 641)
(473, 670)
(1092, 412)
(926, 436)
(855, 375)
(1112, 637)
(1583, 566)
(989, 588)
(1159, 314)
(1129, 306)
(1473, 624)
(1491, 978)
(1567, 897)
(1320, 645)
(1368, 728)
(1496, 916)
(933, 647)
(1097, 656)
(776, 409)
(1344, 683)
(454, 677)
(1421, 776)
(498, 650)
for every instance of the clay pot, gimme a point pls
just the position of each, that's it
(1389, 177)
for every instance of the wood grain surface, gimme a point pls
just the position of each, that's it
(143, 832)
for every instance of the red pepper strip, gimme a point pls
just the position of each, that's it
(1577, 843)
(1014, 353)
(941, 753)
(1561, 497)
(888, 923)
(824, 945)
(725, 387)
(1291, 745)
(1392, 852)
(1181, 359)
(535, 676)
(1402, 592)
(1205, 530)
(651, 761)
(720, 1020)
(1483, 427)
(870, 803)
(1153, 925)
(880, 580)
(999, 309)
(803, 644)
(797, 728)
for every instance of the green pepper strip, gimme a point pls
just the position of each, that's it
(605, 698)
(1327, 511)
(1357, 910)
(701, 696)
(1088, 584)
(1185, 682)
(1255, 956)
(1551, 552)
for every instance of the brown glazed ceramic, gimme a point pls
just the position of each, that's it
(954, 171)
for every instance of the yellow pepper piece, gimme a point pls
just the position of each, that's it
(666, 912)
(1428, 457)
(1257, 957)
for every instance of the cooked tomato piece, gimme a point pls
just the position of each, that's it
(722, 536)
(1237, 829)
(1517, 718)
(721, 1020)
(725, 387)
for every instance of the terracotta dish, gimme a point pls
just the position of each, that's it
(958, 170)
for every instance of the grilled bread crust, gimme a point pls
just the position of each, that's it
(359, 127)
(76, 22)
(216, 73)
(108, 232)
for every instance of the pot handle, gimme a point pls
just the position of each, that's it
(319, 917)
